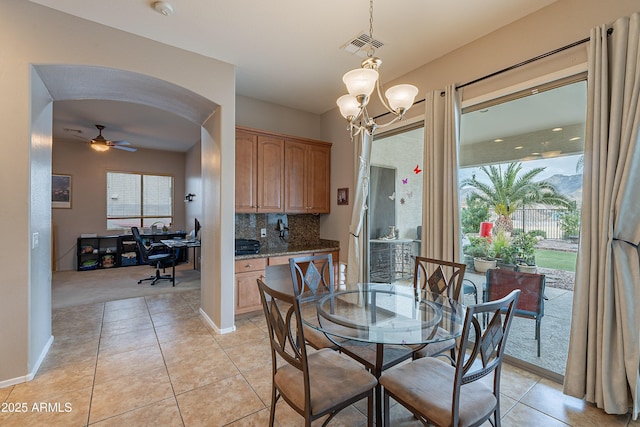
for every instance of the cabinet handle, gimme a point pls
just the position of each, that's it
(248, 266)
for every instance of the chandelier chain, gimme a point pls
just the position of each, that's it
(371, 49)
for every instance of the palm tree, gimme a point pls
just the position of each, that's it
(508, 192)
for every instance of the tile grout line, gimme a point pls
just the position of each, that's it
(164, 361)
(95, 368)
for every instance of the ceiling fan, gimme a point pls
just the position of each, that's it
(100, 143)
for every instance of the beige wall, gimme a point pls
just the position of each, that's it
(88, 169)
(265, 116)
(559, 24)
(32, 34)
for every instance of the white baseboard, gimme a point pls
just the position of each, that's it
(31, 375)
(214, 326)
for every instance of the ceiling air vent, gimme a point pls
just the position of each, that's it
(360, 44)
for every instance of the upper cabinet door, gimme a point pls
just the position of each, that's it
(307, 177)
(246, 172)
(270, 174)
(318, 178)
(295, 177)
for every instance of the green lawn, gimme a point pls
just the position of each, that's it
(558, 260)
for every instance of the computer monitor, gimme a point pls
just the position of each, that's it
(196, 229)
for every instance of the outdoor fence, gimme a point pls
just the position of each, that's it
(546, 220)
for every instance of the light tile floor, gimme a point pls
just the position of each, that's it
(152, 361)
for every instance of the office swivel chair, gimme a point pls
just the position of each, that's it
(157, 259)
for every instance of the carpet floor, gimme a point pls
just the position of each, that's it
(72, 288)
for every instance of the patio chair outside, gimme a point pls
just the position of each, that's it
(531, 303)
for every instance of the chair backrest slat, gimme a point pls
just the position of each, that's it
(438, 276)
(481, 351)
(312, 275)
(282, 312)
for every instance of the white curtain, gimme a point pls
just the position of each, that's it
(356, 247)
(604, 349)
(440, 212)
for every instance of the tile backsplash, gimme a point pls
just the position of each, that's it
(300, 230)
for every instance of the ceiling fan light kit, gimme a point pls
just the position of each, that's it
(360, 84)
(101, 144)
(163, 7)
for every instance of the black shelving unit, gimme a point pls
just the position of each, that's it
(118, 251)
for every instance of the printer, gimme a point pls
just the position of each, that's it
(247, 247)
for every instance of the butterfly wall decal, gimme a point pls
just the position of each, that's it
(417, 170)
(405, 180)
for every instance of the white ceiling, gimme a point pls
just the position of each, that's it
(288, 52)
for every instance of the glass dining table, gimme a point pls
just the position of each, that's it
(391, 320)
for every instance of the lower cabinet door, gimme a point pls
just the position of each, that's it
(247, 293)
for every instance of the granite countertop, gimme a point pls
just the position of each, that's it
(280, 250)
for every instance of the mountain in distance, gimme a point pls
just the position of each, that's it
(569, 185)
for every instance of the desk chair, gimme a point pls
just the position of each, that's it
(157, 259)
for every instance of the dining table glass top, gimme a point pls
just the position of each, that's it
(384, 314)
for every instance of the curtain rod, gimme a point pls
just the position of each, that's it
(528, 61)
(513, 67)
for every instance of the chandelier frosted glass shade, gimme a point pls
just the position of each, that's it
(349, 106)
(401, 97)
(360, 82)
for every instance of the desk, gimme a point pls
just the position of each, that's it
(182, 243)
(386, 315)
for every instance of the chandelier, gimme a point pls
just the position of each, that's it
(360, 84)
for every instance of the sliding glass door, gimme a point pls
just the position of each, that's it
(395, 204)
(514, 153)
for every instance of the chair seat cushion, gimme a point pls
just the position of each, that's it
(157, 257)
(437, 347)
(427, 385)
(334, 378)
(316, 338)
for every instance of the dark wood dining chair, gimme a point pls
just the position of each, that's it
(315, 384)
(531, 303)
(443, 278)
(444, 395)
(312, 277)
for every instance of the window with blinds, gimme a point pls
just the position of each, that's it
(138, 200)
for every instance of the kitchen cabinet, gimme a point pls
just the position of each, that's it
(247, 294)
(281, 174)
(307, 176)
(259, 172)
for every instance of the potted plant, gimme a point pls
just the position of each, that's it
(524, 245)
(504, 251)
(480, 250)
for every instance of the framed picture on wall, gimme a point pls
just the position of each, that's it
(343, 196)
(61, 191)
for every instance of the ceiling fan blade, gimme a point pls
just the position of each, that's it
(120, 147)
(120, 143)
